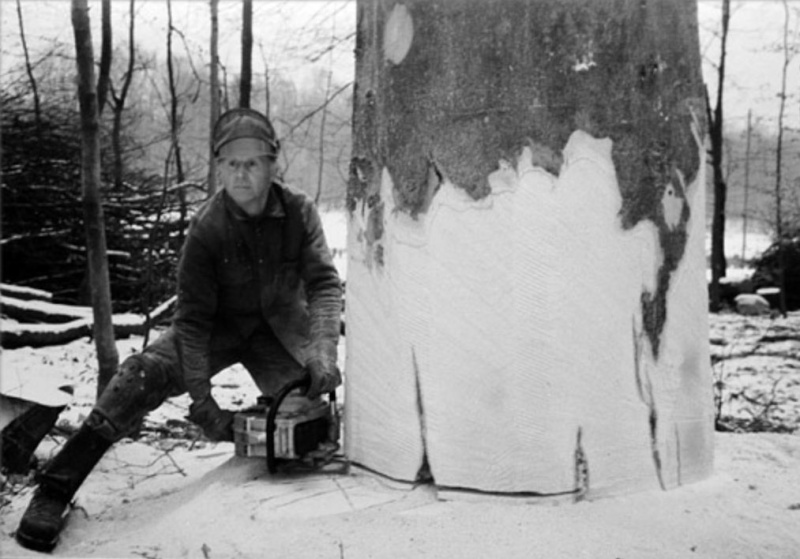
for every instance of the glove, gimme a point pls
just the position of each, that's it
(217, 424)
(325, 378)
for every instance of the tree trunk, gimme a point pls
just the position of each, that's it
(779, 231)
(105, 55)
(215, 112)
(526, 297)
(175, 125)
(246, 77)
(37, 108)
(107, 356)
(119, 102)
(323, 118)
(718, 261)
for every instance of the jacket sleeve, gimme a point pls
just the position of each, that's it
(323, 290)
(197, 305)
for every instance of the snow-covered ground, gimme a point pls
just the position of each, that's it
(172, 494)
(164, 497)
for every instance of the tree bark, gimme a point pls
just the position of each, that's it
(174, 121)
(119, 102)
(715, 124)
(246, 77)
(103, 77)
(107, 356)
(779, 232)
(215, 112)
(526, 277)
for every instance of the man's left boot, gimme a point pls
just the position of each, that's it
(46, 514)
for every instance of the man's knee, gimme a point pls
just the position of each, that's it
(139, 386)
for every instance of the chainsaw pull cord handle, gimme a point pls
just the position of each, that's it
(304, 382)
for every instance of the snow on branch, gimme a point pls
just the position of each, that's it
(16, 334)
(26, 293)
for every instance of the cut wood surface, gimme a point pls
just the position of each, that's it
(504, 338)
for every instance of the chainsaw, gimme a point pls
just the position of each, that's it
(290, 428)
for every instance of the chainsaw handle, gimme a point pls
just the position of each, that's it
(304, 382)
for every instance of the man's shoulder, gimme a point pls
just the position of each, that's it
(295, 201)
(291, 195)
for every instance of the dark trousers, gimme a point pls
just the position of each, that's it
(143, 381)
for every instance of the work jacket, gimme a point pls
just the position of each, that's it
(237, 272)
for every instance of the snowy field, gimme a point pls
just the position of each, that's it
(166, 496)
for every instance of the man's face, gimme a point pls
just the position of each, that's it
(245, 172)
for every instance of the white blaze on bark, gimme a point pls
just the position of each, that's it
(513, 322)
(398, 34)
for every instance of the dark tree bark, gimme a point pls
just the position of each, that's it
(174, 119)
(779, 230)
(107, 355)
(246, 76)
(103, 78)
(715, 125)
(214, 112)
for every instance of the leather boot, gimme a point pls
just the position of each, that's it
(21, 437)
(44, 518)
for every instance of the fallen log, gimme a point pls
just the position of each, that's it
(15, 334)
(24, 293)
(42, 311)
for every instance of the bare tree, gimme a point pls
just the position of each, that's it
(174, 120)
(103, 78)
(119, 102)
(225, 101)
(267, 94)
(37, 110)
(322, 139)
(778, 163)
(214, 90)
(746, 182)
(107, 355)
(246, 77)
(715, 124)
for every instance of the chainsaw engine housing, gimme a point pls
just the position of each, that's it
(301, 425)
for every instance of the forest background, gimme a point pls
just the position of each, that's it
(302, 74)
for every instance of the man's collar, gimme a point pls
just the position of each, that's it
(274, 207)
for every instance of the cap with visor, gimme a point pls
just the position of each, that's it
(241, 123)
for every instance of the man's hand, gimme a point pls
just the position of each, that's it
(217, 424)
(325, 378)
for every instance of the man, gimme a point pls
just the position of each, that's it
(256, 285)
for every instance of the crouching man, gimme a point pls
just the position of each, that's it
(256, 286)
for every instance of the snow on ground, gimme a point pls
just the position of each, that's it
(162, 497)
(756, 370)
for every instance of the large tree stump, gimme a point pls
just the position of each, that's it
(526, 286)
